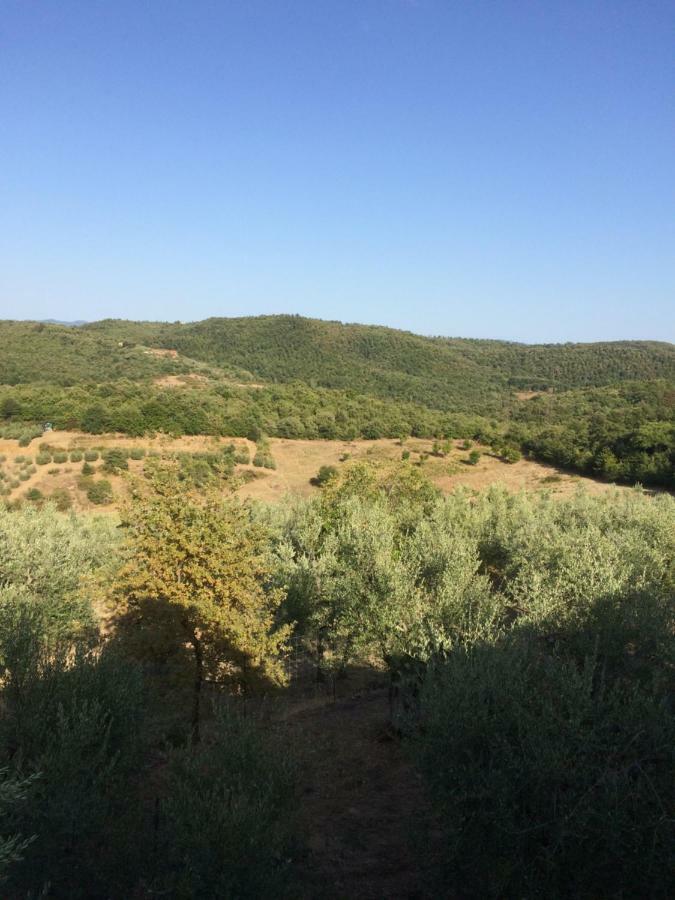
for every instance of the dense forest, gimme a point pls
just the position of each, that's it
(605, 409)
(527, 644)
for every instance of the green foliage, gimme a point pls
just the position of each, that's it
(115, 460)
(60, 457)
(324, 475)
(100, 492)
(75, 456)
(551, 779)
(474, 457)
(34, 495)
(43, 459)
(240, 846)
(91, 455)
(197, 575)
(87, 469)
(136, 453)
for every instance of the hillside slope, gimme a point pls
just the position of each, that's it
(441, 373)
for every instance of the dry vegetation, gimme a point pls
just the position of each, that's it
(297, 462)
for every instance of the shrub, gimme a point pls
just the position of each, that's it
(19, 459)
(25, 439)
(115, 460)
(137, 453)
(34, 494)
(551, 781)
(91, 455)
(76, 456)
(473, 457)
(242, 456)
(263, 459)
(87, 469)
(23, 476)
(405, 454)
(324, 475)
(511, 454)
(100, 492)
(54, 471)
(43, 459)
(238, 848)
(466, 445)
(61, 497)
(60, 457)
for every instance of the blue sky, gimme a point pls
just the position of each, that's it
(485, 169)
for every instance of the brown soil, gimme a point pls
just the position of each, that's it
(528, 395)
(176, 381)
(368, 822)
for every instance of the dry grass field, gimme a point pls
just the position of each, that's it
(297, 461)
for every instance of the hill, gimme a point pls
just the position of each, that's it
(604, 409)
(455, 374)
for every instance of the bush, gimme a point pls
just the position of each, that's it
(76, 456)
(242, 456)
(61, 497)
(43, 459)
(34, 495)
(60, 457)
(100, 492)
(19, 459)
(551, 781)
(87, 469)
(23, 476)
(137, 453)
(324, 475)
(238, 848)
(115, 460)
(263, 459)
(473, 457)
(25, 439)
(405, 454)
(54, 471)
(91, 455)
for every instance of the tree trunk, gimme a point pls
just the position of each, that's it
(197, 694)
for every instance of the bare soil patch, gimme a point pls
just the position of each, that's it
(368, 821)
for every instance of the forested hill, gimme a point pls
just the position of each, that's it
(443, 373)
(604, 408)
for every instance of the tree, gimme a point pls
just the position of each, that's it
(197, 575)
(10, 407)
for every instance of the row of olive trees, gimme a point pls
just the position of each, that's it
(542, 637)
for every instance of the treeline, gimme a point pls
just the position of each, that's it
(623, 433)
(292, 411)
(531, 644)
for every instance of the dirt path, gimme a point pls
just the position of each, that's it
(364, 810)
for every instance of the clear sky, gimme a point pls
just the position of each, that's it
(485, 169)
